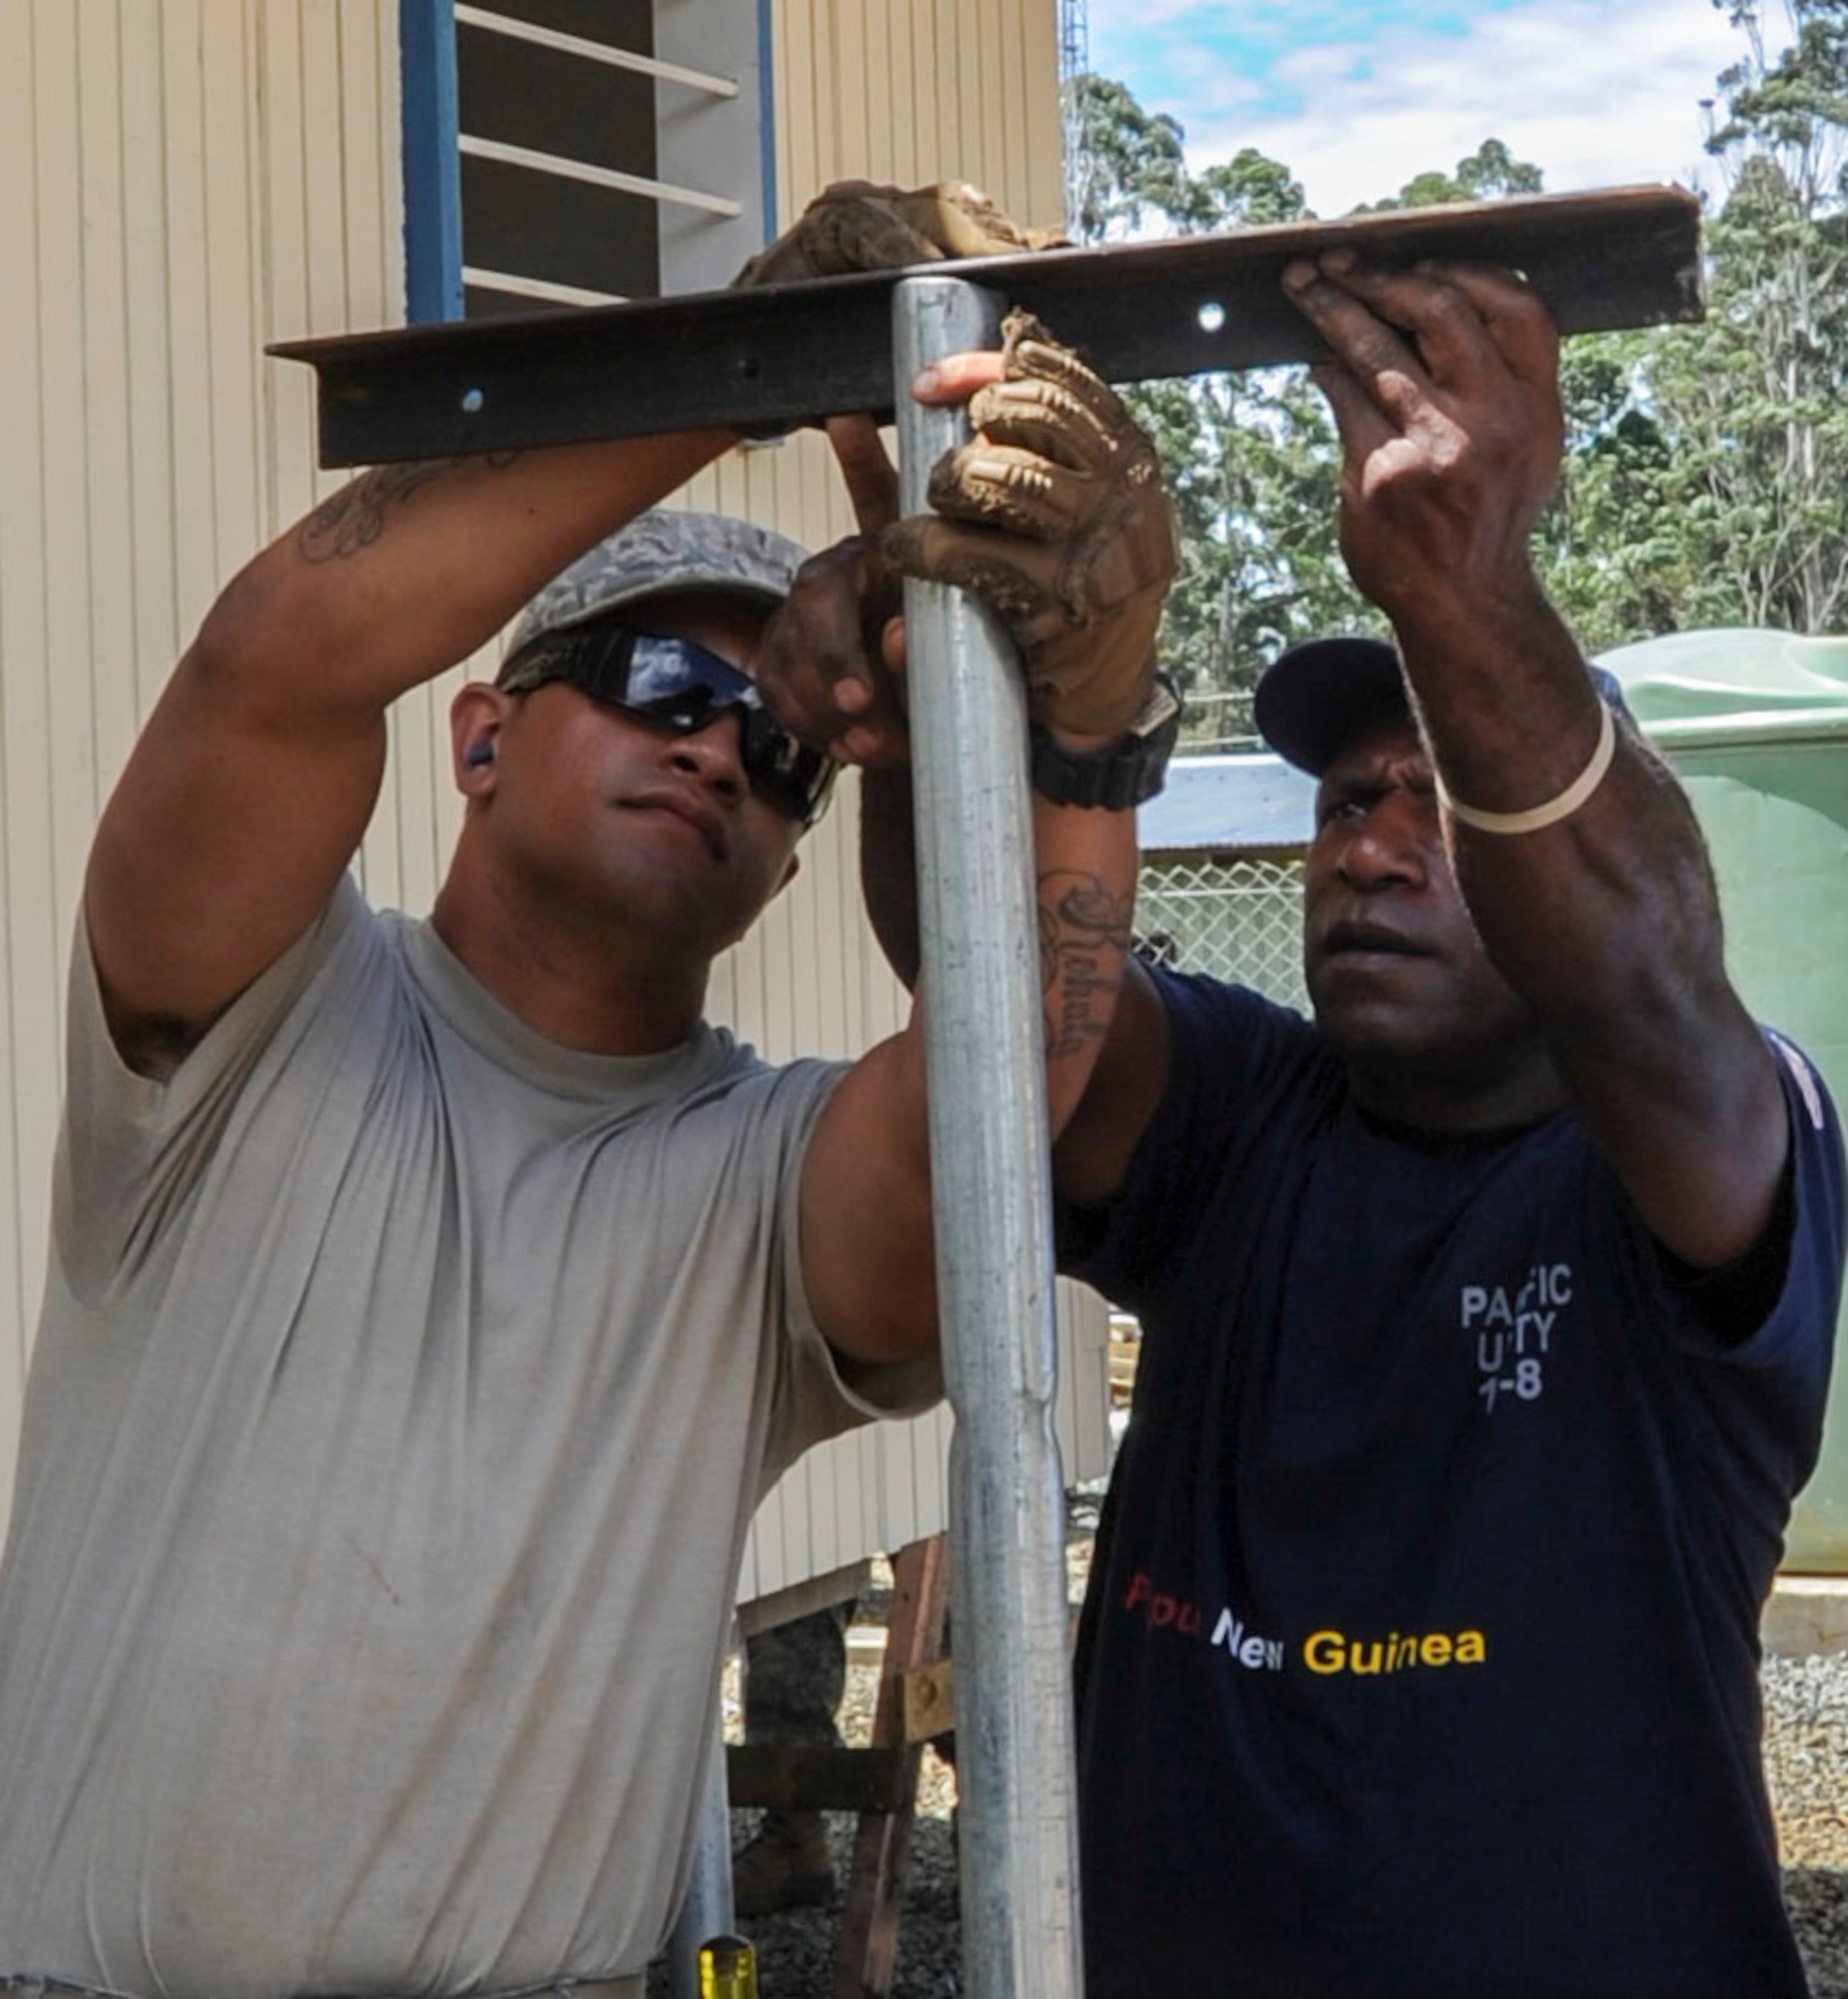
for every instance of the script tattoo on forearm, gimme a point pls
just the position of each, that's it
(1083, 939)
(354, 517)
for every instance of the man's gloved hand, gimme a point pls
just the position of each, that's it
(856, 226)
(1054, 515)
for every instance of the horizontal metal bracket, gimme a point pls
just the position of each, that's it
(787, 355)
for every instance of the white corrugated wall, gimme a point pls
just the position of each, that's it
(183, 178)
(188, 179)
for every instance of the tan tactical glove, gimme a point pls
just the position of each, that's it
(855, 226)
(1067, 535)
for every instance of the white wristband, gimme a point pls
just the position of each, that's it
(1554, 809)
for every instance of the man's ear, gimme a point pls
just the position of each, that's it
(475, 719)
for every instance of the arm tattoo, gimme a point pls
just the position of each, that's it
(354, 517)
(1083, 939)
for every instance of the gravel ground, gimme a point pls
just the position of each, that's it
(1806, 1757)
(1806, 1760)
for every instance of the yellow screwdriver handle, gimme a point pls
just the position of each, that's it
(727, 1969)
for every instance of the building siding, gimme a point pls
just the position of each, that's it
(192, 179)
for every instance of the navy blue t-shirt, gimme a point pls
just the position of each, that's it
(1421, 1658)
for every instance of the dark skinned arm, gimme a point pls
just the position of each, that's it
(832, 671)
(869, 1255)
(1094, 1152)
(1444, 387)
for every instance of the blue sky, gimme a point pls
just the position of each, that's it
(1355, 96)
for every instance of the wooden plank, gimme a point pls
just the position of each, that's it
(1628, 257)
(868, 1943)
(805, 1777)
(929, 1695)
(1123, 1356)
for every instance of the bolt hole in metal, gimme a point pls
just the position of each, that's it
(1211, 316)
(472, 401)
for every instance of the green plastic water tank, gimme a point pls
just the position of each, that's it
(1756, 725)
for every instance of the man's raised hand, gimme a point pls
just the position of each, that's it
(1444, 387)
(831, 667)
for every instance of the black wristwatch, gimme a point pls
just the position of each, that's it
(1128, 771)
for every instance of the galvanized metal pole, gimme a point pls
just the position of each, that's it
(985, 1047)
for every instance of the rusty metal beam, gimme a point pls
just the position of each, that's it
(1623, 258)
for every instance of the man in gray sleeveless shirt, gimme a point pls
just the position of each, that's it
(431, 1302)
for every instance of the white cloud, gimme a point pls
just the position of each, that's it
(1596, 94)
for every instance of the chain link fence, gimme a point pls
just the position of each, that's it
(1236, 917)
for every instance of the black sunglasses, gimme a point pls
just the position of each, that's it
(674, 685)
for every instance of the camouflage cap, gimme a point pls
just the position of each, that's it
(663, 550)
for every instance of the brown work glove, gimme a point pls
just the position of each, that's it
(855, 226)
(1056, 516)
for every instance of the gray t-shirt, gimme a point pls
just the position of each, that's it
(404, 1390)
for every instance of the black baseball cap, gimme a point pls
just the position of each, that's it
(1313, 700)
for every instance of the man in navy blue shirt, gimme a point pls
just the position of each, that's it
(1486, 1318)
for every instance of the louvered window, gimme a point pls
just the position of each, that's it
(579, 152)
